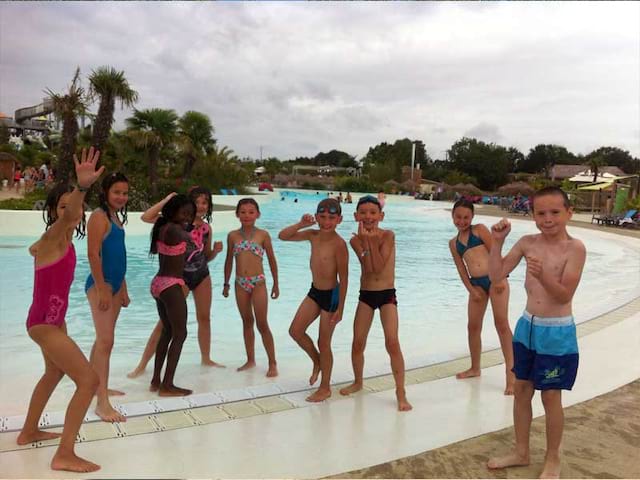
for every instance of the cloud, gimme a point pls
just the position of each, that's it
(305, 77)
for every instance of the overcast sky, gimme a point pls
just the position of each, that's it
(300, 78)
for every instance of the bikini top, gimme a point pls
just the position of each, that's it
(247, 245)
(474, 241)
(172, 250)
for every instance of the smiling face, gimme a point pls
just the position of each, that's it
(462, 218)
(328, 221)
(551, 214)
(202, 205)
(369, 214)
(118, 195)
(62, 204)
(247, 214)
(185, 214)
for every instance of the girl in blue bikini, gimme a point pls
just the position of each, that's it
(470, 251)
(248, 245)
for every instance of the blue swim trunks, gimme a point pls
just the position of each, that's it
(545, 351)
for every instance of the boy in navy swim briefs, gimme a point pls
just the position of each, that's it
(329, 269)
(544, 343)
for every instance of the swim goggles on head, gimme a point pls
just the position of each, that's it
(368, 199)
(332, 209)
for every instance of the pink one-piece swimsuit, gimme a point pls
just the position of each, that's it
(51, 285)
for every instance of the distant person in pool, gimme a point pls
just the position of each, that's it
(376, 250)
(200, 251)
(544, 343)
(382, 198)
(106, 287)
(326, 298)
(248, 245)
(169, 239)
(470, 251)
(55, 262)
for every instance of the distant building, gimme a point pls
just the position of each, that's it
(560, 172)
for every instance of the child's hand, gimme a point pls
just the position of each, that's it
(104, 298)
(86, 173)
(307, 220)
(534, 267)
(169, 197)
(336, 317)
(225, 291)
(500, 230)
(500, 287)
(125, 299)
(477, 293)
(275, 291)
(217, 247)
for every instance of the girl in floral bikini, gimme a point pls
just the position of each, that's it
(248, 245)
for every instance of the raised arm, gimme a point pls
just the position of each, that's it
(273, 265)
(342, 263)
(561, 289)
(292, 233)
(153, 213)
(500, 267)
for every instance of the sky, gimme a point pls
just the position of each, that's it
(295, 78)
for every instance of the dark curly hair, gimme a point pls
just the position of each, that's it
(107, 183)
(196, 192)
(169, 212)
(49, 212)
(245, 201)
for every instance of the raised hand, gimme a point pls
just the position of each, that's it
(307, 220)
(500, 230)
(86, 173)
(217, 247)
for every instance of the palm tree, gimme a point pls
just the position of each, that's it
(152, 129)
(67, 107)
(109, 85)
(196, 138)
(594, 164)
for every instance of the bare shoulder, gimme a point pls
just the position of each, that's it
(576, 246)
(481, 228)
(388, 235)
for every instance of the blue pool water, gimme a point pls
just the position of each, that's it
(432, 300)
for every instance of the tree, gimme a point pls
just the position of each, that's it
(542, 157)
(152, 130)
(108, 85)
(595, 162)
(334, 158)
(616, 157)
(488, 163)
(67, 107)
(196, 138)
(5, 136)
(393, 157)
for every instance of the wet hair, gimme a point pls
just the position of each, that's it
(50, 214)
(245, 201)
(464, 203)
(169, 211)
(368, 199)
(330, 205)
(107, 183)
(551, 191)
(196, 192)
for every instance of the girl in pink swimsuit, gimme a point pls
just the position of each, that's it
(55, 262)
(169, 240)
(248, 245)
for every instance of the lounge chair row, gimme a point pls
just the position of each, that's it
(630, 218)
(228, 191)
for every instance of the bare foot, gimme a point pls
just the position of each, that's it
(353, 388)
(511, 381)
(174, 391)
(403, 404)
(468, 374)
(319, 395)
(154, 387)
(136, 372)
(511, 460)
(246, 366)
(272, 371)
(72, 463)
(314, 375)
(115, 393)
(109, 414)
(551, 467)
(39, 435)
(211, 363)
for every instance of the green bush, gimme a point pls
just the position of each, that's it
(25, 203)
(355, 184)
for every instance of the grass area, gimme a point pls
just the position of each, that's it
(25, 203)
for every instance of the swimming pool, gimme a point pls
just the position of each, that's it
(432, 300)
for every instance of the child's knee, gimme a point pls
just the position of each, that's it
(105, 344)
(88, 381)
(263, 327)
(551, 398)
(54, 373)
(295, 333)
(392, 346)
(474, 328)
(502, 326)
(523, 390)
(358, 345)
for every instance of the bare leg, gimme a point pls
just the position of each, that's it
(260, 302)
(476, 309)
(361, 327)
(554, 418)
(61, 351)
(104, 322)
(389, 318)
(307, 312)
(202, 299)
(500, 307)
(175, 307)
(243, 300)
(522, 415)
(149, 351)
(326, 357)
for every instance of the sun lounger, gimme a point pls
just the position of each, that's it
(233, 191)
(223, 191)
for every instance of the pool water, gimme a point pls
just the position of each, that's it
(432, 299)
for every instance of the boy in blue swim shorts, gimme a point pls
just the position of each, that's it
(545, 347)
(329, 271)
